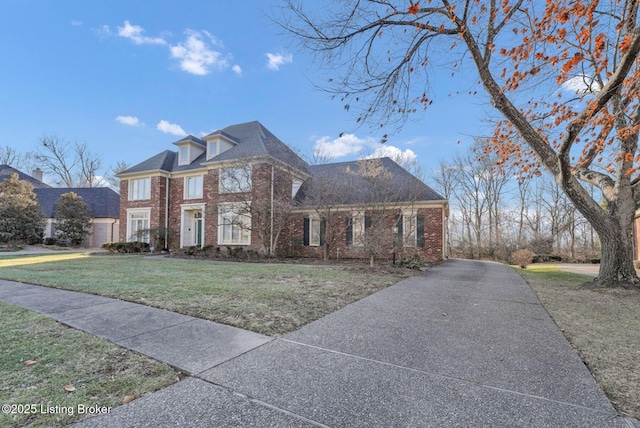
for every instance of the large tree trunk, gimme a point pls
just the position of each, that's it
(616, 235)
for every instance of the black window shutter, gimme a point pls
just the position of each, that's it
(420, 230)
(349, 236)
(305, 232)
(367, 222)
(323, 230)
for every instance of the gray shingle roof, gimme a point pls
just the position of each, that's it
(256, 140)
(162, 161)
(251, 138)
(7, 171)
(342, 183)
(103, 201)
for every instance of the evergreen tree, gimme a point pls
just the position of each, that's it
(73, 219)
(21, 219)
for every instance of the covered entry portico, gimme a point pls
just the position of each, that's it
(192, 225)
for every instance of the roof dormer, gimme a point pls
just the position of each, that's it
(218, 142)
(189, 148)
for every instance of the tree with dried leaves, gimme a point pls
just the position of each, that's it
(564, 74)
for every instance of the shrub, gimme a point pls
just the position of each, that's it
(126, 247)
(411, 262)
(50, 241)
(522, 258)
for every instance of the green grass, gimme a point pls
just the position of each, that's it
(101, 373)
(602, 324)
(267, 298)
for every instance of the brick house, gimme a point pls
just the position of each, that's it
(243, 187)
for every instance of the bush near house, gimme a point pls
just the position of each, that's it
(73, 220)
(126, 247)
(21, 219)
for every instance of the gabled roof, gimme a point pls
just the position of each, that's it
(7, 171)
(103, 202)
(345, 185)
(191, 139)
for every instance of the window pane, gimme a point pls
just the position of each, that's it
(235, 180)
(140, 189)
(194, 187)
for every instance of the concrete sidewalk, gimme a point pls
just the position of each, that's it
(189, 344)
(466, 344)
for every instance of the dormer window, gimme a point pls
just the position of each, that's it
(183, 156)
(217, 146)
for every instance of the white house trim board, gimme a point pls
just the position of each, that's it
(139, 222)
(192, 224)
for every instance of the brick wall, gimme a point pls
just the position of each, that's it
(292, 241)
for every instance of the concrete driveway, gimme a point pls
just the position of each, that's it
(467, 344)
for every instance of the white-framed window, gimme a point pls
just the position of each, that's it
(358, 229)
(193, 187)
(183, 156)
(234, 225)
(235, 180)
(140, 189)
(138, 225)
(314, 232)
(296, 183)
(409, 226)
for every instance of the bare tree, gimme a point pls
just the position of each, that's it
(10, 156)
(70, 164)
(264, 195)
(111, 175)
(564, 75)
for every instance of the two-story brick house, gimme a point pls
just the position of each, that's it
(242, 186)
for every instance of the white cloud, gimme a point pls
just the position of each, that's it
(402, 157)
(195, 55)
(582, 84)
(274, 61)
(104, 31)
(76, 23)
(134, 33)
(345, 145)
(170, 128)
(236, 69)
(129, 120)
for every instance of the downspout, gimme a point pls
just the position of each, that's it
(113, 224)
(271, 228)
(166, 215)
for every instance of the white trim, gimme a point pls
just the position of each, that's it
(185, 185)
(130, 211)
(146, 195)
(191, 207)
(245, 233)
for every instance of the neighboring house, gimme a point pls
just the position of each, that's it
(104, 208)
(103, 202)
(243, 187)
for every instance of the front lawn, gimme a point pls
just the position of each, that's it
(267, 298)
(602, 324)
(39, 358)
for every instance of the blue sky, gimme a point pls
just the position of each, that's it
(129, 78)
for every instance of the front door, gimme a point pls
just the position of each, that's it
(197, 229)
(192, 228)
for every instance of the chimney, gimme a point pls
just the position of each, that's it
(37, 174)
